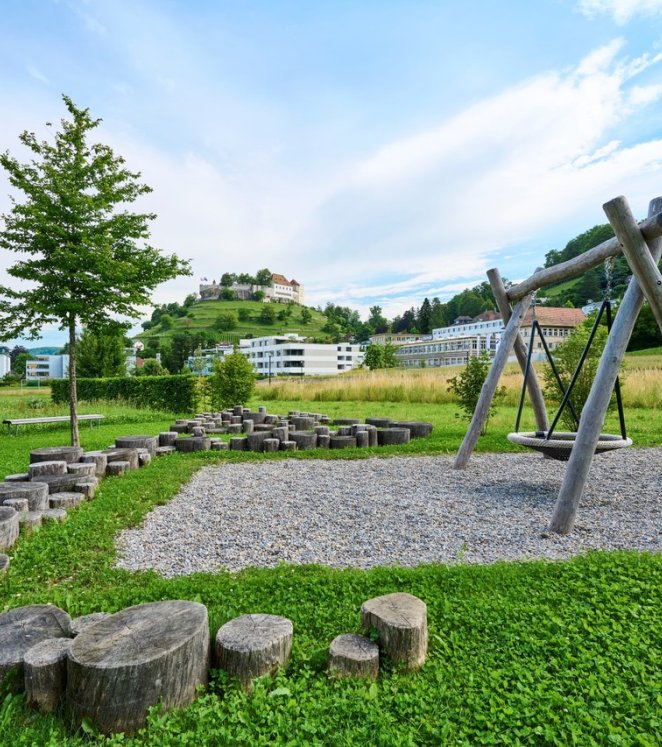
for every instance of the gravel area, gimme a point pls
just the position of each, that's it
(405, 510)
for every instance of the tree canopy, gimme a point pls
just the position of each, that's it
(85, 260)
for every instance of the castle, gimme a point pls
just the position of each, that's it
(281, 289)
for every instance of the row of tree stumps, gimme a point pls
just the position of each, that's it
(111, 669)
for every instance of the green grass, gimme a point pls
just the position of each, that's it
(205, 313)
(520, 653)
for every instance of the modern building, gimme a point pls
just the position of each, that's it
(396, 338)
(281, 289)
(202, 362)
(5, 365)
(454, 345)
(291, 355)
(45, 367)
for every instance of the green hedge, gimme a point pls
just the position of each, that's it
(170, 393)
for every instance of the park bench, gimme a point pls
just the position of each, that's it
(16, 422)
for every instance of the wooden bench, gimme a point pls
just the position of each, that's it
(16, 422)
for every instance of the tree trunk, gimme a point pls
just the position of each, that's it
(73, 393)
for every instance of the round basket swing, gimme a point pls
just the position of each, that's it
(559, 444)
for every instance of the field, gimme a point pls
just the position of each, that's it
(556, 653)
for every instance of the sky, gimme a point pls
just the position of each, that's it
(377, 151)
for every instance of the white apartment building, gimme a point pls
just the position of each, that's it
(5, 364)
(202, 362)
(290, 355)
(44, 367)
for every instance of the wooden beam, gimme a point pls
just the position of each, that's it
(533, 385)
(482, 411)
(595, 409)
(650, 229)
(637, 253)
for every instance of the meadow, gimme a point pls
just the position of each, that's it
(558, 653)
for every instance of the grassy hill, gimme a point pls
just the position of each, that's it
(203, 317)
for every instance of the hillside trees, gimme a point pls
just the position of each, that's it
(87, 260)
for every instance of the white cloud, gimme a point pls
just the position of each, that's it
(620, 10)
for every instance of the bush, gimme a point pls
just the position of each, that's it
(232, 382)
(169, 393)
(225, 321)
(468, 385)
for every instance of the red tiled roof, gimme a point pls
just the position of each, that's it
(280, 279)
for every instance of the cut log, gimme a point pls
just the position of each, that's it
(393, 436)
(379, 422)
(30, 520)
(373, 438)
(195, 443)
(362, 439)
(322, 430)
(145, 456)
(19, 477)
(323, 442)
(346, 421)
(353, 655)
(281, 433)
(54, 514)
(138, 442)
(45, 673)
(82, 469)
(113, 469)
(253, 645)
(4, 563)
(345, 430)
(234, 428)
(271, 444)
(38, 469)
(288, 446)
(56, 453)
(239, 443)
(167, 438)
(87, 487)
(121, 666)
(247, 426)
(60, 483)
(304, 439)
(98, 459)
(123, 455)
(220, 446)
(198, 431)
(36, 493)
(18, 504)
(79, 624)
(9, 527)
(254, 417)
(401, 622)
(179, 428)
(342, 442)
(164, 450)
(65, 500)
(24, 627)
(256, 441)
(416, 429)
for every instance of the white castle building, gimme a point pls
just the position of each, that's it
(281, 289)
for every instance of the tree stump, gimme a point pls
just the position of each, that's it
(36, 493)
(401, 623)
(167, 438)
(372, 436)
(288, 446)
(281, 433)
(271, 444)
(83, 469)
(346, 421)
(237, 410)
(117, 468)
(164, 450)
(121, 666)
(253, 645)
(56, 453)
(198, 431)
(322, 430)
(145, 456)
(179, 428)
(304, 439)
(87, 487)
(220, 446)
(323, 442)
(393, 436)
(256, 441)
(79, 624)
(30, 520)
(18, 477)
(18, 504)
(24, 627)
(238, 444)
(236, 420)
(4, 563)
(354, 655)
(379, 422)
(248, 426)
(54, 514)
(65, 500)
(45, 673)
(99, 459)
(342, 442)
(9, 527)
(254, 417)
(195, 443)
(302, 423)
(416, 429)
(123, 455)
(234, 428)
(59, 483)
(38, 469)
(362, 439)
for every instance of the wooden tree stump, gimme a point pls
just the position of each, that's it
(416, 429)
(253, 645)
(4, 563)
(342, 442)
(353, 655)
(56, 453)
(36, 470)
(79, 624)
(30, 520)
(123, 455)
(271, 444)
(288, 446)
(59, 483)
(179, 428)
(195, 443)
(304, 439)
(145, 456)
(167, 438)
(362, 439)
(83, 469)
(393, 436)
(373, 439)
(401, 623)
(323, 441)
(121, 666)
(99, 459)
(45, 673)
(18, 504)
(220, 446)
(9, 527)
(117, 468)
(346, 421)
(65, 500)
(36, 493)
(256, 441)
(87, 487)
(302, 423)
(379, 422)
(281, 433)
(24, 627)
(322, 430)
(198, 431)
(254, 417)
(248, 426)
(239, 443)
(18, 477)
(165, 450)
(54, 514)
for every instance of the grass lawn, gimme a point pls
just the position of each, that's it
(520, 653)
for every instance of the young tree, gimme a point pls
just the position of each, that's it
(374, 357)
(101, 353)
(86, 257)
(263, 277)
(225, 321)
(267, 314)
(306, 316)
(390, 358)
(150, 367)
(232, 382)
(244, 314)
(468, 385)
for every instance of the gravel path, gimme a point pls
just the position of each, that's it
(406, 510)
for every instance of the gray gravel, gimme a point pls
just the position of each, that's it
(406, 510)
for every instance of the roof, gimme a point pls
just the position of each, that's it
(280, 279)
(487, 316)
(554, 316)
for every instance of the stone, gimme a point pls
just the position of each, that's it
(9, 527)
(416, 429)
(79, 624)
(18, 504)
(54, 514)
(99, 459)
(393, 436)
(253, 645)
(195, 443)
(239, 444)
(167, 438)
(56, 453)
(83, 469)
(352, 655)
(342, 442)
(400, 620)
(65, 500)
(128, 662)
(36, 493)
(22, 628)
(271, 444)
(38, 469)
(304, 439)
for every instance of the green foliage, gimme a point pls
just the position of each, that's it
(646, 332)
(150, 367)
(244, 314)
(306, 316)
(374, 357)
(18, 363)
(101, 354)
(232, 382)
(169, 393)
(227, 294)
(468, 384)
(257, 295)
(225, 321)
(267, 314)
(566, 359)
(263, 277)
(390, 359)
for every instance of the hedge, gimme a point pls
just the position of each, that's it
(170, 393)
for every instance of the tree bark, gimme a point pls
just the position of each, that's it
(73, 392)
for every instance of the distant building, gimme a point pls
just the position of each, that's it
(454, 345)
(291, 355)
(5, 365)
(202, 363)
(396, 338)
(281, 289)
(44, 367)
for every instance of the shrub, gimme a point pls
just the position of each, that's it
(468, 385)
(232, 382)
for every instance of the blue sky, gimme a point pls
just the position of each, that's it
(379, 151)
